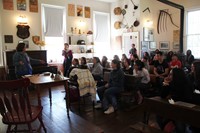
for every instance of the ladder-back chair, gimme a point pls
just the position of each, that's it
(15, 106)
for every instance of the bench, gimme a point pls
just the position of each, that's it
(143, 128)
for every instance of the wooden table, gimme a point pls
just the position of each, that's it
(41, 81)
(181, 111)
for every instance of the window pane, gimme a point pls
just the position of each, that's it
(193, 32)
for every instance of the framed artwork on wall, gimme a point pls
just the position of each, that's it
(144, 45)
(71, 10)
(33, 5)
(152, 45)
(21, 5)
(148, 34)
(8, 4)
(164, 45)
(87, 12)
(79, 11)
(8, 38)
(176, 45)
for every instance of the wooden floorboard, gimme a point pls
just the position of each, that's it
(56, 120)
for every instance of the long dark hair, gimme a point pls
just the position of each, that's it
(115, 61)
(84, 60)
(140, 64)
(20, 47)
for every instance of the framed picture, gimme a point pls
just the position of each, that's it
(176, 45)
(33, 5)
(26, 42)
(8, 38)
(144, 45)
(164, 45)
(148, 34)
(21, 5)
(79, 11)
(71, 10)
(8, 4)
(152, 45)
(87, 12)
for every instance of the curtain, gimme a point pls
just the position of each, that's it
(53, 25)
(101, 25)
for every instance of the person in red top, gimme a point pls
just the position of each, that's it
(175, 63)
(67, 58)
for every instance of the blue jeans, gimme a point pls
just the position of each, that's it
(108, 96)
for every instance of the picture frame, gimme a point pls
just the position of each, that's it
(152, 45)
(79, 11)
(144, 45)
(87, 12)
(148, 34)
(164, 45)
(176, 45)
(21, 5)
(8, 38)
(33, 5)
(71, 10)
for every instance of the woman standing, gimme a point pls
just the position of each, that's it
(67, 58)
(21, 61)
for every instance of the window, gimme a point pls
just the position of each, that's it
(101, 33)
(193, 32)
(53, 29)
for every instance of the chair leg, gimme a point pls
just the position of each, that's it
(30, 128)
(41, 122)
(8, 129)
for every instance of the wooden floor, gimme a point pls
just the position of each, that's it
(56, 120)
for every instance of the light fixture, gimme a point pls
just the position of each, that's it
(148, 23)
(81, 23)
(22, 20)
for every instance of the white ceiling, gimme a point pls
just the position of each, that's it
(109, 1)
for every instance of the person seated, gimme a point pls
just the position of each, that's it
(127, 68)
(108, 93)
(189, 59)
(169, 56)
(175, 63)
(97, 69)
(133, 58)
(146, 63)
(147, 56)
(177, 87)
(75, 64)
(83, 64)
(161, 69)
(116, 57)
(141, 71)
(104, 62)
(123, 59)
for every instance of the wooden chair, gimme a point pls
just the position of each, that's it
(15, 106)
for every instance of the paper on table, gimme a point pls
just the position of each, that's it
(189, 105)
(27, 75)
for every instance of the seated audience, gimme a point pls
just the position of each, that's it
(109, 92)
(161, 69)
(169, 56)
(146, 63)
(147, 56)
(104, 62)
(97, 69)
(175, 63)
(123, 59)
(116, 57)
(177, 87)
(75, 64)
(140, 71)
(133, 59)
(127, 68)
(83, 64)
(189, 59)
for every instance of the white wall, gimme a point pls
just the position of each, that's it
(1, 41)
(9, 20)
